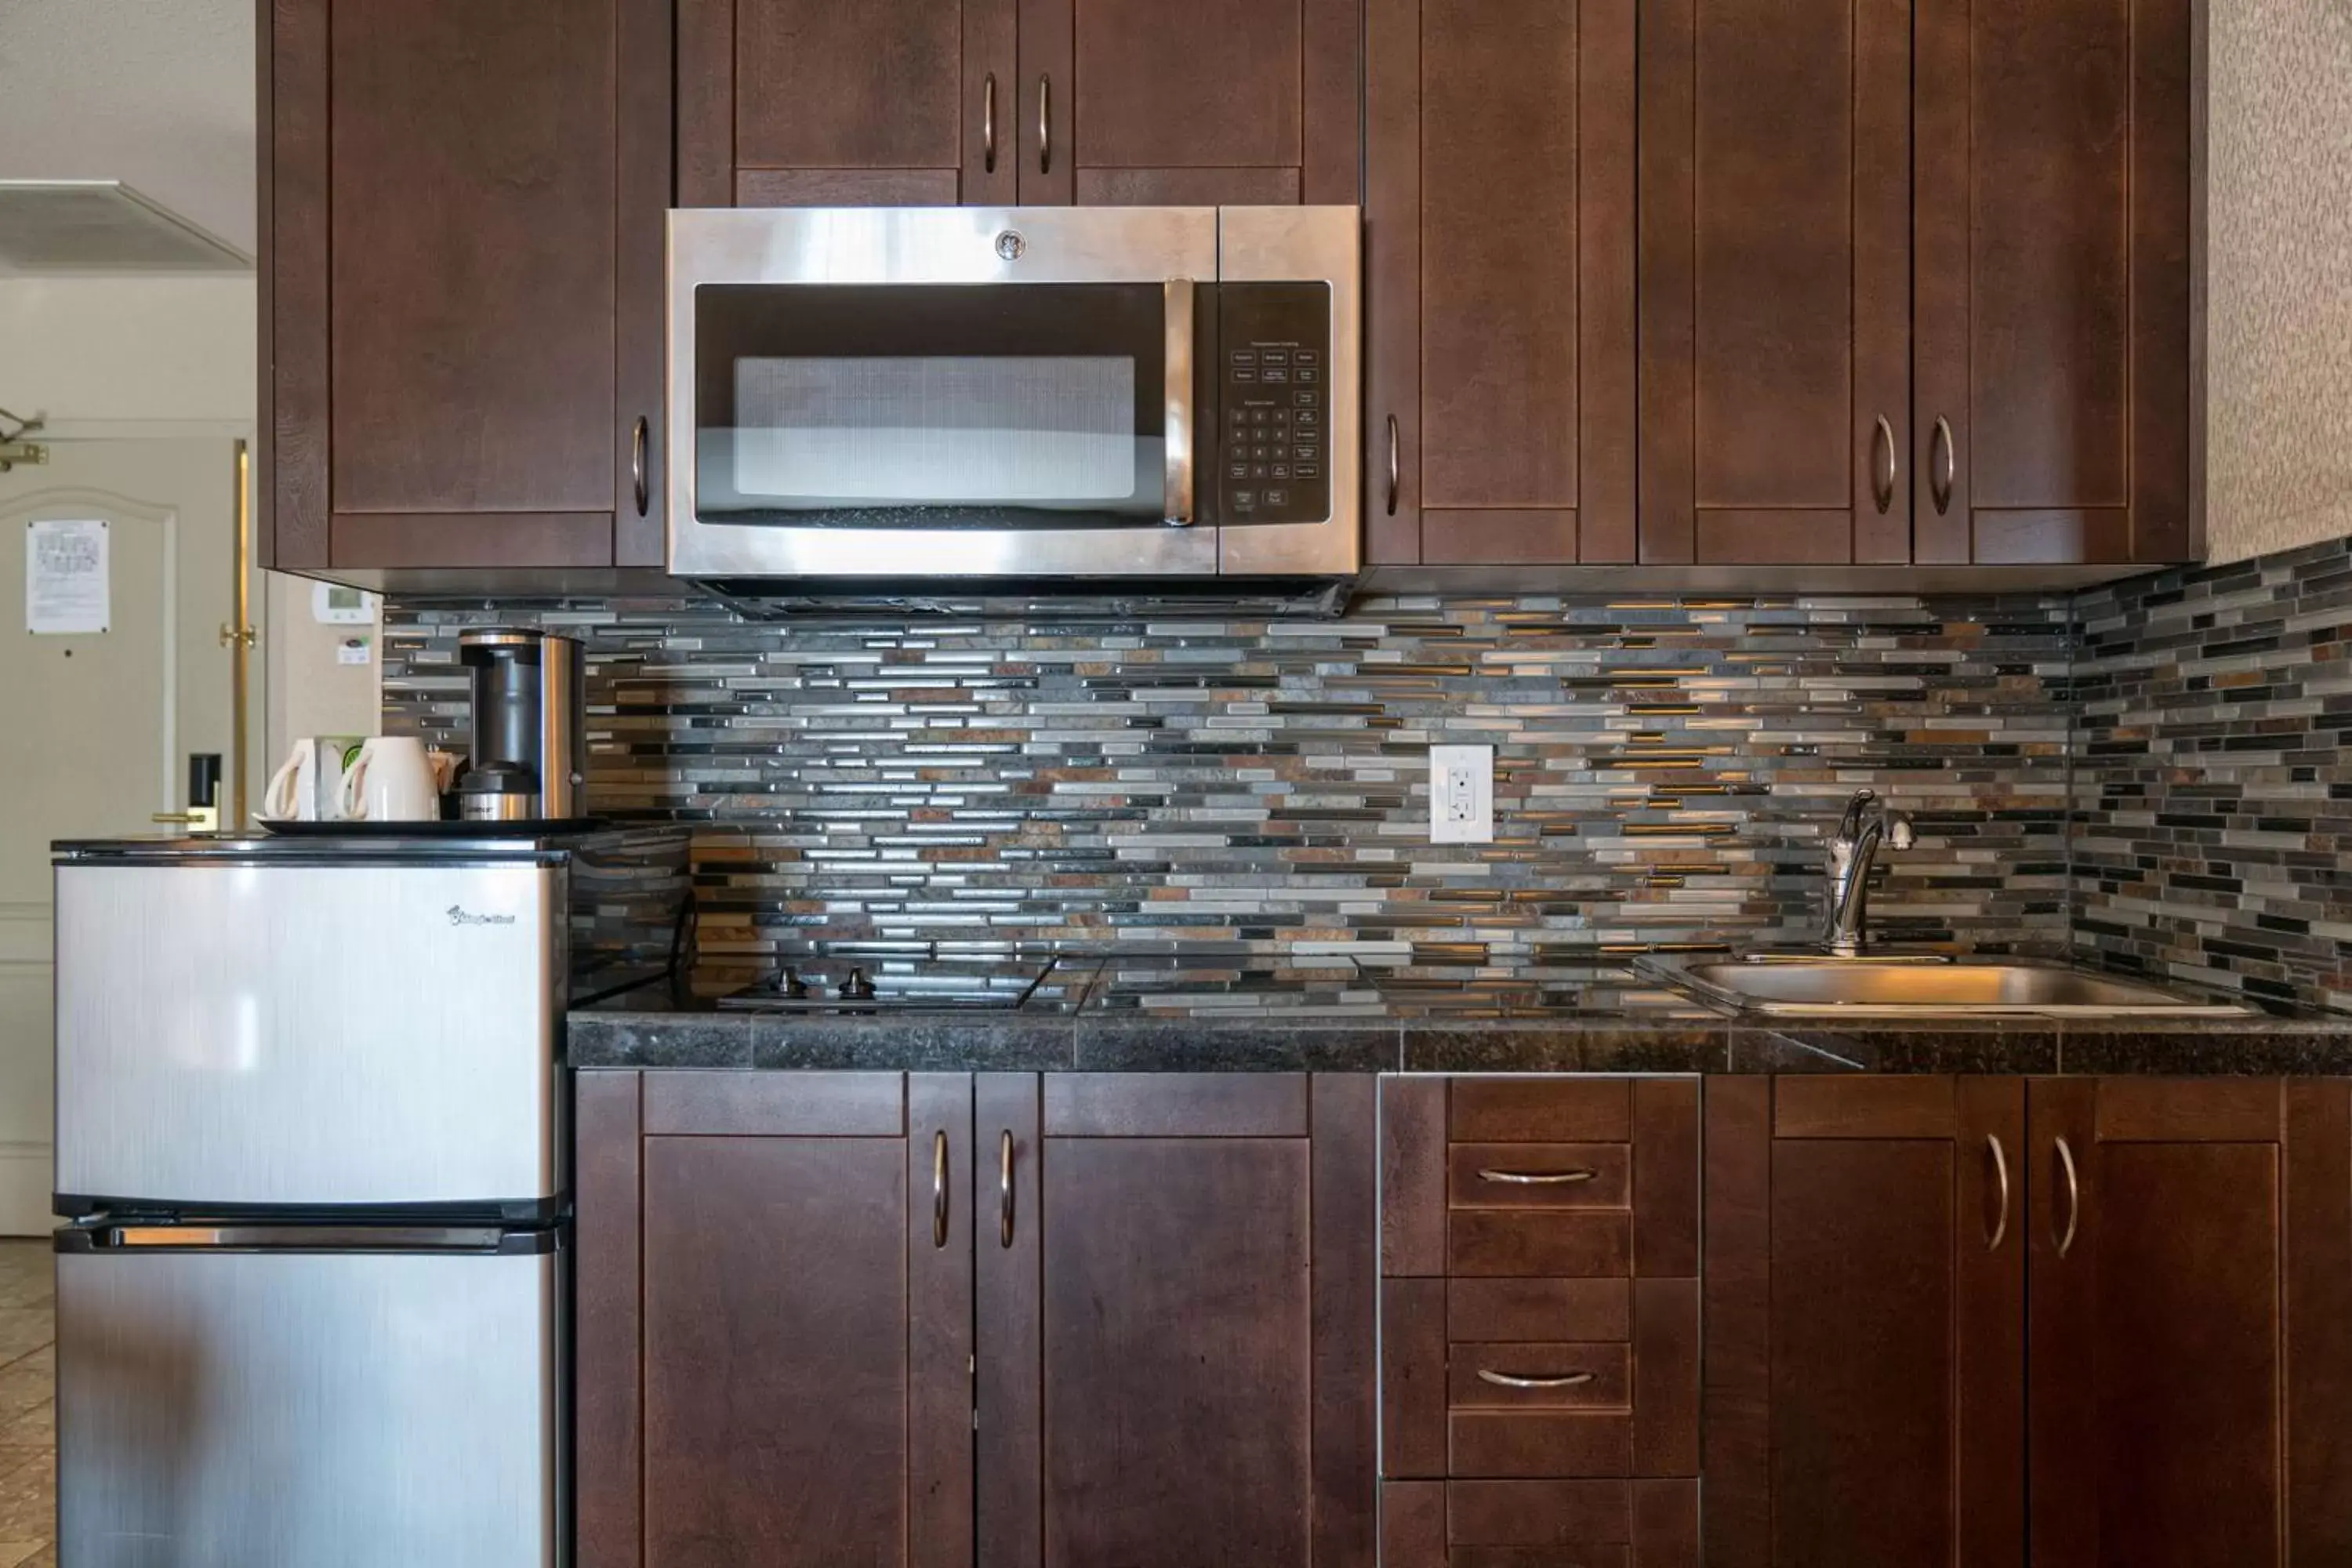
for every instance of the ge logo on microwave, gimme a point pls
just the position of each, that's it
(1010, 244)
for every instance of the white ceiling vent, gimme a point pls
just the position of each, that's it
(97, 227)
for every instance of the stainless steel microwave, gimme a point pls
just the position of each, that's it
(875, 394)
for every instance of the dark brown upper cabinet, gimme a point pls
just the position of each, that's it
(462, 268)
(2055, 332)
(990, 102)
(1499, 211)
(819, 103)
(1207, 102)
(1775, 281)
(1915, 282)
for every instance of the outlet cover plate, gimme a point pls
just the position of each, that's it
(1462, 794)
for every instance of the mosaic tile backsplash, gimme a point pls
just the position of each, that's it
(1665, 773)
(2214, 793)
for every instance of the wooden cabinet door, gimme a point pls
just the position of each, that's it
(2053, 420)
(774, 1318)
(2191, 1289)
(1204, 103)
(1864, 1323)
(1176, 1304)
(1499, 220)
(820, 103)
(1775, 297)
(463, 254)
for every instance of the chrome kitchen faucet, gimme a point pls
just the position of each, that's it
(1866, 825)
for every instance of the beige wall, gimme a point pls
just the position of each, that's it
(2279, 381)
(116, 356)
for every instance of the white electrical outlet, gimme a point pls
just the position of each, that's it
(1462, 794)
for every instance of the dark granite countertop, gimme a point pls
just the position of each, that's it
(1590, 1020)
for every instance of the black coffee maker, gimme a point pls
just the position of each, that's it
(530, 755)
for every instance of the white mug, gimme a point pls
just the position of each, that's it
(391, 780)
(295, 794)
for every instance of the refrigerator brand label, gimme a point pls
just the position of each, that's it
(461, 916)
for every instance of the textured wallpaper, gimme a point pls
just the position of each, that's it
(2280, 249)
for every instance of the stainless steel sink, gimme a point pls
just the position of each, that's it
(1849, 987)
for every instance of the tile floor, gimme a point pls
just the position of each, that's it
(28, 1411)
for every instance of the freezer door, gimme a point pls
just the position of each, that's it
(265, 1409)
(246, 1035)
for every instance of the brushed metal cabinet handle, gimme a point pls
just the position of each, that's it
(2065, 1240)
(1044, 123)
(988, 123)
(1538, 1178)
(1520, 1379)
(1004, 1189)
(2001, 1178)
(1943, 466)
(1882, 463)
(1395, 464)
(1177, 392)
(637, 462)
(938, 1189)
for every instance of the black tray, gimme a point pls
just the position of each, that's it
(531, 827)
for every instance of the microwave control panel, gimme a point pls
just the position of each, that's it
(1274, 453)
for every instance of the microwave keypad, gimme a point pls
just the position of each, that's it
(1274, 463)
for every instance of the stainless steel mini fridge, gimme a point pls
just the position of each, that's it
(311, 1138)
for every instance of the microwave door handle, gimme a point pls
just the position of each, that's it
(1181, 427)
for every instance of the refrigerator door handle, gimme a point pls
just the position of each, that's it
(487, 1241)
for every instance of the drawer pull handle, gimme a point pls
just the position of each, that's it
(1518, 1380)
(1538, 1178)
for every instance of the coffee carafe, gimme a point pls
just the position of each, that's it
(529, 760)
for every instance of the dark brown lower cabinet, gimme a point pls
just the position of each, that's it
(924, 1319)
(1540, 1322)
(774, 1319)
(1881, 1252)
(1176, 1307)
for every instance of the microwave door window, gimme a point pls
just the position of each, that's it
(927, 431)
(929, 405)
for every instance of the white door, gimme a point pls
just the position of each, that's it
(97, 727)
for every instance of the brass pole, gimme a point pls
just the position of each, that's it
(239, 637)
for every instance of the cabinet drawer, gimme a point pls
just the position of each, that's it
(1495, 1310)
(1538, 1444)
(1541, 1110)
(1540, 1557)
(1561, 1515)
(1539, 1375)
(1486, 1243)
(1538, 1175)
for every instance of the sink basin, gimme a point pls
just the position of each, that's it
(1968, 988)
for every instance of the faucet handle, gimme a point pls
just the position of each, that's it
(1849, 826)
(1900, 834)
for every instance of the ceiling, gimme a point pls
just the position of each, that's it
(157, 93)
